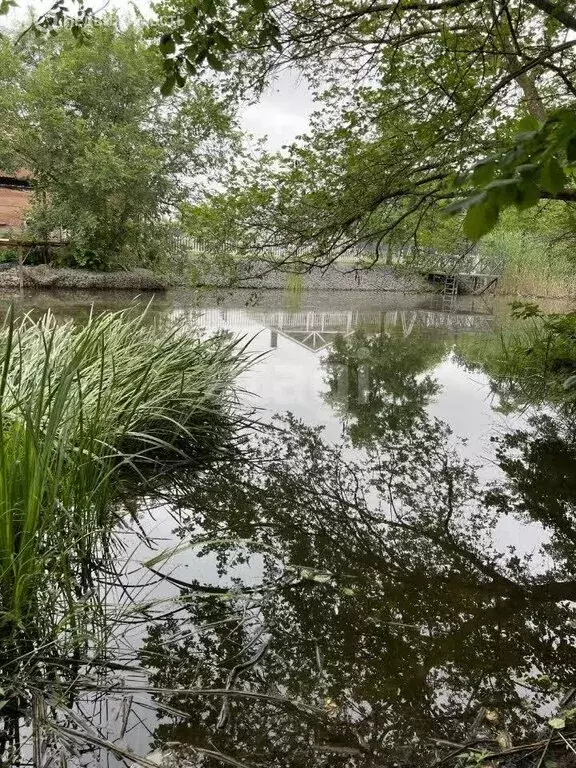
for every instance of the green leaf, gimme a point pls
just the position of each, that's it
(214, 62)
(527, 170)
(527, 194)
(504, 191)
(167, 44)
(570, 382)
(557, 723)
(224, 42)
(168, 85)
(571, 150)
(552, 176)
(462, 205)
(480, 219)
(190, 19)
(527, 124)
(523, 310)
(261, 6)
(483, 172)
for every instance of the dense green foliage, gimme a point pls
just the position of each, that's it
(410, 97)
(81, 411)
(535, 251)
(111, 160)
(462, 106)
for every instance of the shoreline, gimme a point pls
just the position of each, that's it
(62, 278)
(331, 280)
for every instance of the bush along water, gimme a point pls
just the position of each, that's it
(84, 411)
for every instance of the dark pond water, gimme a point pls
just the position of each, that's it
(383, 572)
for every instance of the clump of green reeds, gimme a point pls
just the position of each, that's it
(78, 404)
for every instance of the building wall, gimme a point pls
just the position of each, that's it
(14, 204)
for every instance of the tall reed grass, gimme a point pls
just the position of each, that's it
(534, 267)
(79, 406)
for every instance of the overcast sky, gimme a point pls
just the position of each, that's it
(281, 114)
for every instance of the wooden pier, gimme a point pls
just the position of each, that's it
(469, 283)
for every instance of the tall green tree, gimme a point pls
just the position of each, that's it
(111, 160)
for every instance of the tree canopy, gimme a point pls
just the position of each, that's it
(109, 157)
(423, 108)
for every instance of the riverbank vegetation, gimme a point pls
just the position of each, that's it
(484, 93)
(86, 413)
(463, 109)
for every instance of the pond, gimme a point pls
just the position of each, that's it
(380, 571)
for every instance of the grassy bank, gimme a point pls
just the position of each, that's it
(536, 265)
(548, 283)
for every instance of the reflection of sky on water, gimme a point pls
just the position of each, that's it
(290, 376)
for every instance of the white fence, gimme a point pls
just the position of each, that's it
(425, 260)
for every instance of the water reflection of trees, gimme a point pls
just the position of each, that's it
(532, 362)
(388, 613)
(380, 382)
(540, 465)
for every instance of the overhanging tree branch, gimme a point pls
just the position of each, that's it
(556, 12)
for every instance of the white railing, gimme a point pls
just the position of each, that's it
(427, 260)
(329, 323)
